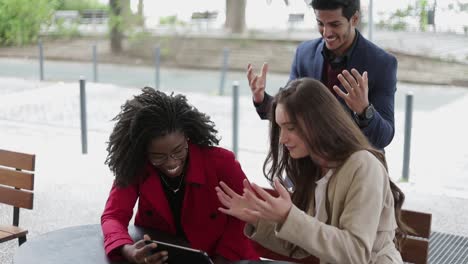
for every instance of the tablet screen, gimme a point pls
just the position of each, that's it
(179, 254)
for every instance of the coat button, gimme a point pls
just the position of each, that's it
(213, 215)
(149, 213)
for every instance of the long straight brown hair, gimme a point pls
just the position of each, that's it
(329, 132)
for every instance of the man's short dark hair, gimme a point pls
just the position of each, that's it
(349, 7)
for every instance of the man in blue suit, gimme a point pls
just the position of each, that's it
(361, 75)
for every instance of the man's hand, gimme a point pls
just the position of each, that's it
(257, 82)
(357, 88)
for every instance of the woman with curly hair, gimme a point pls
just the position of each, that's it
(343, 207)
(162, 152)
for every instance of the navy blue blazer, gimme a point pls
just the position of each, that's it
(366, 56)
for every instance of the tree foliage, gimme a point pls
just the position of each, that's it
(21, 20)
(80, 5)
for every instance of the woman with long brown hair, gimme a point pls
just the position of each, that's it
(342, 207)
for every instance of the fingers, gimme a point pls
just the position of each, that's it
(339, 92)
(227, 189)
(249, 73)
(223, 197)
(345, 82)
(253, 213)
(262, 193)
(252, 83)
(226, 211)
(362, 80)
(352, 78)
(281, 189)
(253, 200)
(264, 70)
(156, 258)
(140, 244)
(246, 184)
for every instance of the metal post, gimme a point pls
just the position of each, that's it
(224, 70)
(235, 116)
(157, 61)
(84, 138)
(371, 20)
(407, 139)
(41, 61)
(95, 70)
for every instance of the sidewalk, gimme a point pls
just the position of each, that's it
(71, 189)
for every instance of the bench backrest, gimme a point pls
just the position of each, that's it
(16, 180)
(204, 15)
(416, 246)
(299, 17)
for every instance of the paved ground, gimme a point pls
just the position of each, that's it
(71, 189)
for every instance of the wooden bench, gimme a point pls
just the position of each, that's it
(16, 186)
(94, 16)
(416, 246)
(204, 19)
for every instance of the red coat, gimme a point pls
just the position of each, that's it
(204, 226)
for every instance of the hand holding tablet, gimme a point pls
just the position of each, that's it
(179, 254)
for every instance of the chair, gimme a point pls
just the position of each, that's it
(16, 186)
(416, 246)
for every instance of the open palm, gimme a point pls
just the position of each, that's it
(236, 205)
(257, 82)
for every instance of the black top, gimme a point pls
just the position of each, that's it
(175, 199)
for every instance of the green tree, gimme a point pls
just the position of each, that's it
(21, 20)
(422, 8)
(80, 5)
(120, 21)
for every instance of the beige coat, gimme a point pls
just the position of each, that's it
(361, 226)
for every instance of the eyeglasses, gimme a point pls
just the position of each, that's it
(160, 159)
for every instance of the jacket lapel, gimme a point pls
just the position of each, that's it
(357, 56)
(159, 200)
(317, 64)
(195, 178)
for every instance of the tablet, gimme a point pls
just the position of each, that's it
(179, 254)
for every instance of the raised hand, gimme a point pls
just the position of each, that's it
(357, 88)
(268, 207)
(140, 252)
(257, 82)
(235, 204)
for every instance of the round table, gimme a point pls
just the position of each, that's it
(78, 244)
(84, 244)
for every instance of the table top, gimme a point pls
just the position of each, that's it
(84, 244)
(78, 244)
